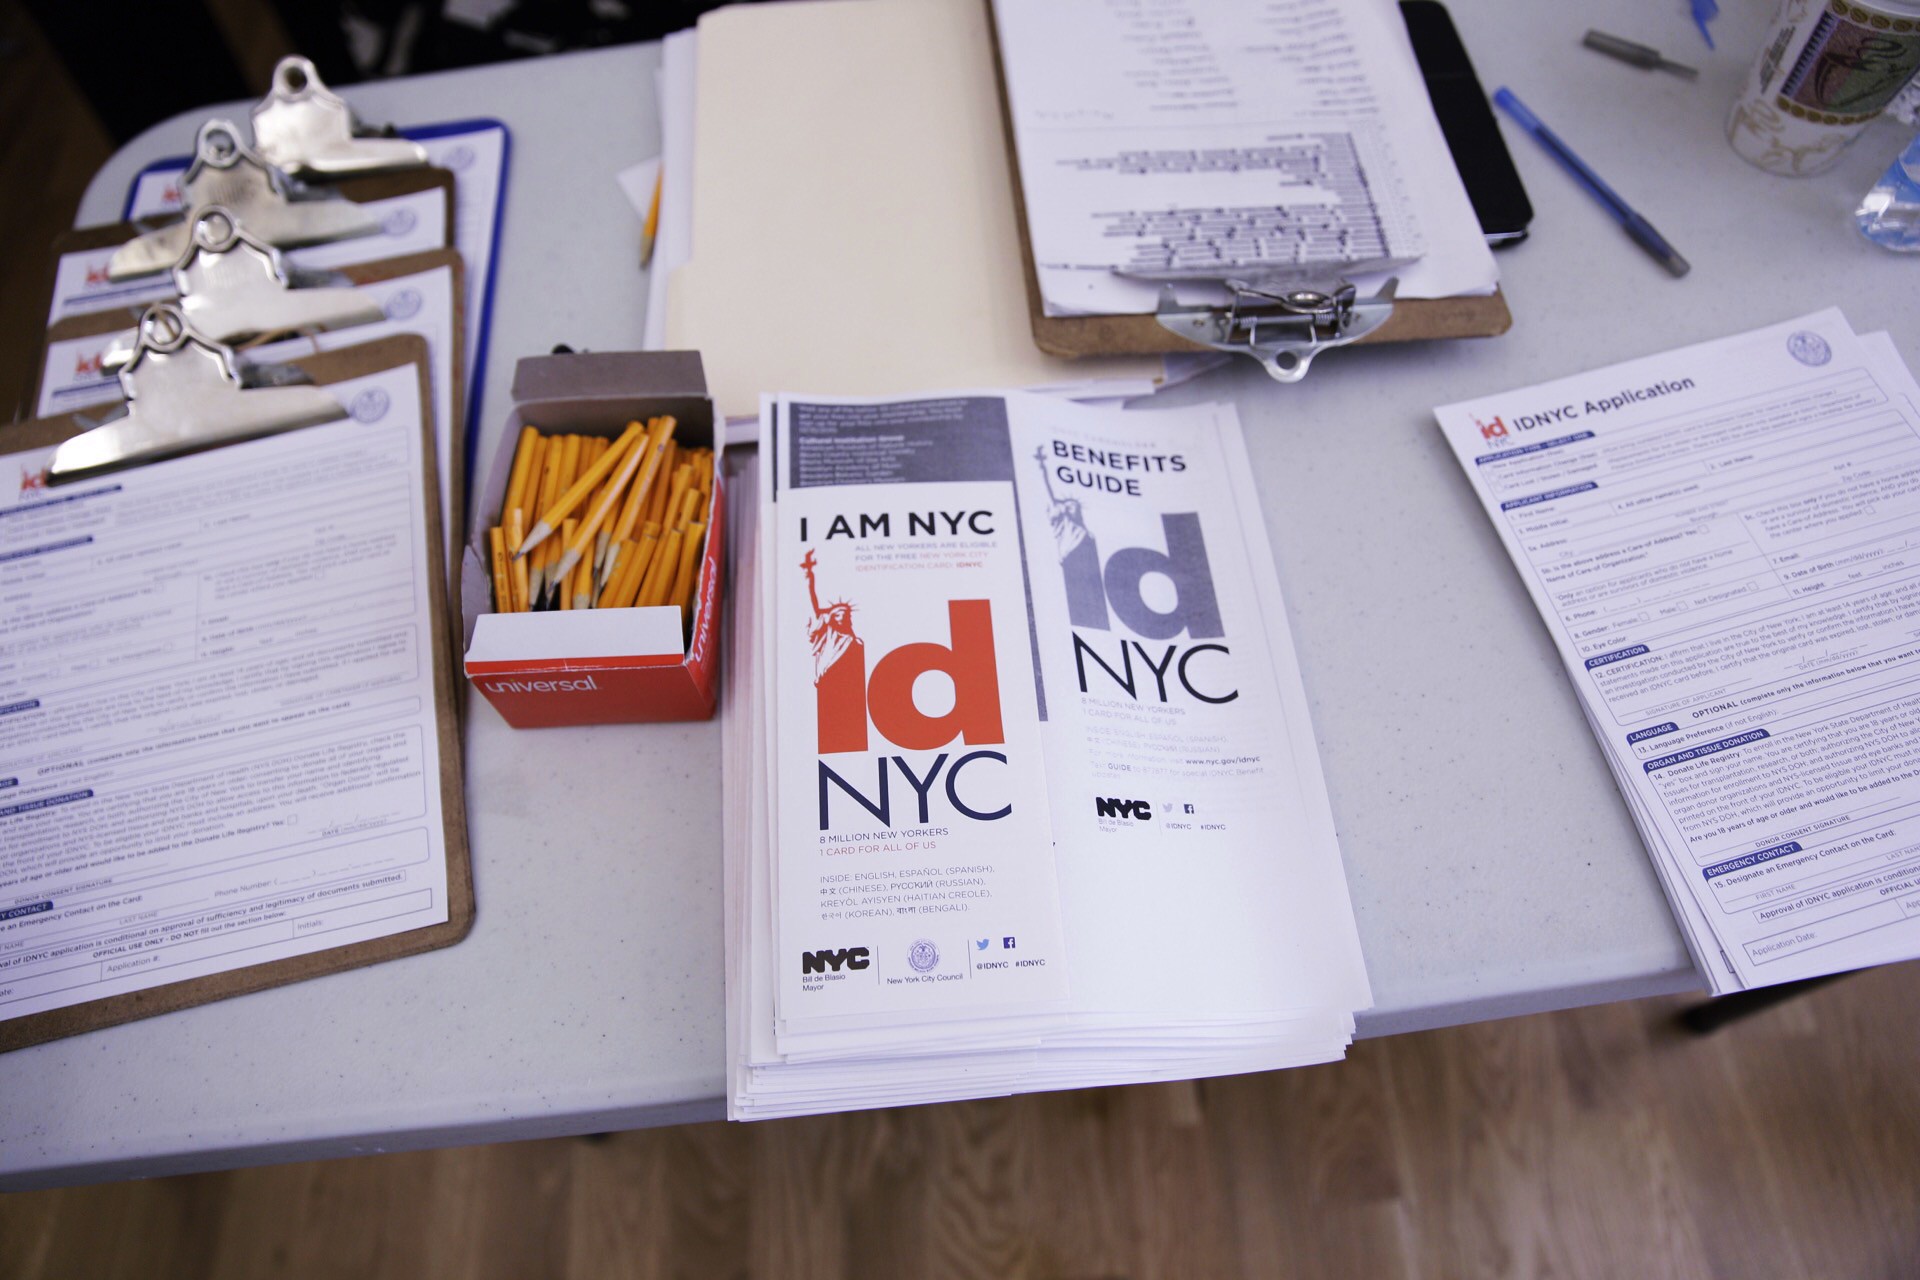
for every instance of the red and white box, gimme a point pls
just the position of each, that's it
(597, 666)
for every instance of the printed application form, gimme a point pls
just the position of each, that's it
(1725, 543)
(218, 739)
(1200, 135)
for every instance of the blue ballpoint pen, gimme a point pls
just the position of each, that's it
(1636, 226)
(1705, 11)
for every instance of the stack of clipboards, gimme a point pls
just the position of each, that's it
(229, 741)
(408, 223)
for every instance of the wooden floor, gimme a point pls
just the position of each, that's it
(1597, 1143)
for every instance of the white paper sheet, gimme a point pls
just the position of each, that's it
(409, 224)
(217, 736)
(673, 244)
(422, 302)
(1197, 135)
(1725, 543)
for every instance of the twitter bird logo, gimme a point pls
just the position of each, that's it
(981, 945)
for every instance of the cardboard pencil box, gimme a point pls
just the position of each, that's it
(597, 666)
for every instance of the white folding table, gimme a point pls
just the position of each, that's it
(1494, 868)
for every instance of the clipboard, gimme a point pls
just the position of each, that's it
(313, 135)
(96, 324)
(454, 142)
(91, 324)
(135, 293)
(1389, 320)
(323, 369)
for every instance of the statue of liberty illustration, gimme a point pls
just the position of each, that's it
(830, 630)
(1079, 554)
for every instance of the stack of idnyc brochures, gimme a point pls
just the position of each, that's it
(1022, 789)
(1725, 543)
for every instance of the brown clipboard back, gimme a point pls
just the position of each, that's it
(54, 1024)
(89, 324)
(1413, 319)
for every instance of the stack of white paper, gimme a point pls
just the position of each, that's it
(1022, 788)
(1725, 542)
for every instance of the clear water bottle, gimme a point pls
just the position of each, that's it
(1890, 215)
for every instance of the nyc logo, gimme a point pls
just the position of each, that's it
(1101, 591)
(852, 705)
(1494, 432)
(1095, 586)
(849, 699)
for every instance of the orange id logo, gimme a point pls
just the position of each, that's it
(851, 700)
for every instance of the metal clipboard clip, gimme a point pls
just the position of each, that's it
(235, 288)
(308, 130)
(228, 173)
(184, 394)
(1282, 318)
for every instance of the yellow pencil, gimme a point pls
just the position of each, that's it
(660, 433)
(516, 530)
(656, 508)
(610, 481)
(578, 489)
(539, 498)
(614, 594)
(522, 590)
(681, 593)
(565, 480)
(611, 590)
(649, 560)
(522, 464)
(577, 544)
(583, 585)
(644, 559)
(502, 580)
(517, 569)
(682, 477)
(563, 583)
(652, 229)
(653, 589)
(550, 452)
